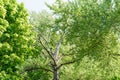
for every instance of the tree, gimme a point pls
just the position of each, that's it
(51, 39)
(16, 38)
(84, 29)
(90, 27)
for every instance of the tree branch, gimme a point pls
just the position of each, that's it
(116, 54)
(44, 39)
(67, 54)
(67, 63)
(47, 51)
(36, 68)
(58, 47)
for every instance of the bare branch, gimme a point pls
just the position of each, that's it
(43, 39)
(44, 46)
(58, 47)
(37, 68)
(47, 51)
(67, 63)
(67, 54)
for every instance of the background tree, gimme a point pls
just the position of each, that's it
(81, 31)
(36, 67)
(51, 39)
(16, 38)
(90, 27)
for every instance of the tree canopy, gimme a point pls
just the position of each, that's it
(16, 38)
(79, 40)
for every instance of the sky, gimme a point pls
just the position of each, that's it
(36, 5)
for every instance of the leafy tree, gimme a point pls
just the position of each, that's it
(90, 27)
(79, 21)
(35, 68)
(16, 38)
(53, 44)
(83, 32)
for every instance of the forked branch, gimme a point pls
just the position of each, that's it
(49, 53)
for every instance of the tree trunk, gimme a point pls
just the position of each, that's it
(56, 75)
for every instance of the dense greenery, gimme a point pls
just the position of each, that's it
(79, 40)
(16, 39)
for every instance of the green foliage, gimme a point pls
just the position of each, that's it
(93, 28)
(91, 36)
(41, 24)
(41, 21)
(35, 74)
(15, 39)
